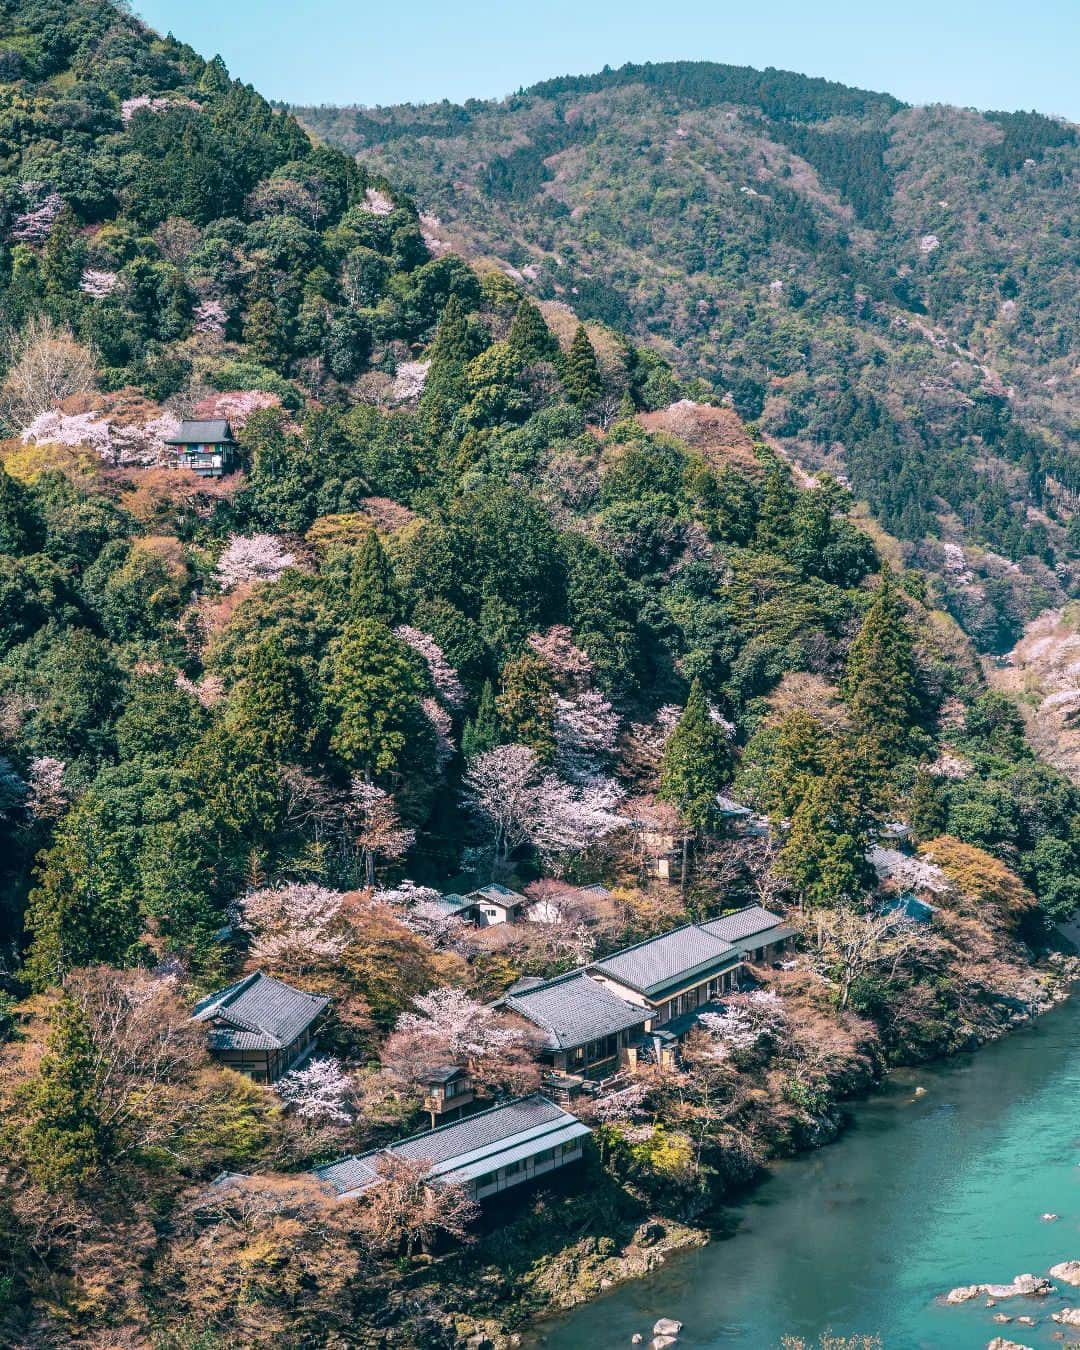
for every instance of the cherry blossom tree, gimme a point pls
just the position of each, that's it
(98, 284)
(443, 675)
(237, 405)
(379, 831)
(45, 366)
(570, 666)
(36, 225)
(208, 691)
(746, 1021)
(47, 797)
(499, 788)
(442, 724)
(450, 1027)
(567, 821)
(320, 1090)
(295, 926)
(147, 103)
(257, 557)
(409, 380)
(586, 729)
(615, 1108)
(210, 317)
(139, 443)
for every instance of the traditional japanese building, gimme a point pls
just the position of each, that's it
(448, 1089)
(486, 1153)
(671, 974)
(207, 447)
(587, 1029)
(758, 934)
(260, 1026)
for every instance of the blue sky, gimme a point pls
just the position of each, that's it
(979, 53)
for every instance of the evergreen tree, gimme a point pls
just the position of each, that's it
(273, 705)
(696, 764)
(481, 733)
(879, 683)
(81, 912)
(446, 390)
(530, 339)
(526, 705)
(824, 853)
(62, 1137)
(373, 592)
(374, 691)
(777, 507)
(581, 372)
(926, 809)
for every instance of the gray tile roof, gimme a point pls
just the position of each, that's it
(259, 1013)
(473, 1146)
(211, 432)
(573, 1010)
(496, 894)
(743, 923)
(669, 961)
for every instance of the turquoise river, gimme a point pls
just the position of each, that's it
(927, 1190)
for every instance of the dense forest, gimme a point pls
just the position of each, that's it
(890, 292)
(490, 590)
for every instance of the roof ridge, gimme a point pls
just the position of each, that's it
(623, 951)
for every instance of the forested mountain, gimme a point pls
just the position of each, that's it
(891, 292)
(489, 594)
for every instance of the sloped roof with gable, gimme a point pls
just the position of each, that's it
(211, 432)
(671, 961)
(497, 895)
(259, 1013)
(744, 923)
(573, 1010)
(474, 1146)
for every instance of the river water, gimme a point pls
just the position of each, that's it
(926, 1191)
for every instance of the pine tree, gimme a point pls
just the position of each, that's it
(696, 763)
(373, 592)
(62, 1138)
(446, 390)
(777, 505)
(879, 683)
(581, 374)
(926, 809)
(272, 703)
(526, 705)
(481, 733)
(530, 339)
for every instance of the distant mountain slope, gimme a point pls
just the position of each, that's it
(893, 291)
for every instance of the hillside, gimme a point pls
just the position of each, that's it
(482, 594)
(890, 291)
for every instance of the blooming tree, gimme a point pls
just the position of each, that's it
(257, 557)
(567, 820)
(376, 203)
(142, 443)
(443, 675)
(210, 317)
(237, 405)
(409, 380)
(586, 729)
(499, 788)
(317, 1091)
(570, 666)
(35, 226)
(615, 1108)
(208, 691)
(141, 102)
(442, 725)
(45, 366)
(746, 1021)
(295, 926)
(97, 284)
(379, 831)
(405, 1210)
(419, 909)
(47, 797)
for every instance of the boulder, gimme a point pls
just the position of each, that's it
(1002, 1318)
(1049, 1218)
(1068, 1272)
(666, 1326)
(964, 1293)
(662, 1342)
(1000, 1343)
(1029, 1286)
(649, 1234)
(636, 1338)
(1068, 1317)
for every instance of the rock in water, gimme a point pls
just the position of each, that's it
(1029, 1286)
(1068, 1272)
(1000, 1343)
(662, 1342)
(667, 1326)
(1068, 1317)
(1049, 1218)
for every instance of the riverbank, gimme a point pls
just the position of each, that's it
(579, 1246)
(942, 1180)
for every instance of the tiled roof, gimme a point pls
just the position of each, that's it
(454, 903)
(498, 895)
(467, 1148)
(743, 923)
(671, 960)
(213, 432)
(260, 1013)
(728, 806)
(574, 1009)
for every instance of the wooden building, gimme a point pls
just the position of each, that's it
(260, 1026)
(587, 1029)
(448, 1089)
(207, 447)
(487, 1153)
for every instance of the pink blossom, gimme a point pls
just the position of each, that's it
(236, 405)
(441, 724)
(296, 925)
(467, 1029)
(131, 106)
(98, 284)
(747, 1020)
(35, 226)
(443, 675)
(257, 557)
(211, 317)
(318, 1091)
(376, 203)
(134, 444)
(409, 380)
(566, 661)
(586, 729)
(208, 691)
(47, 797)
